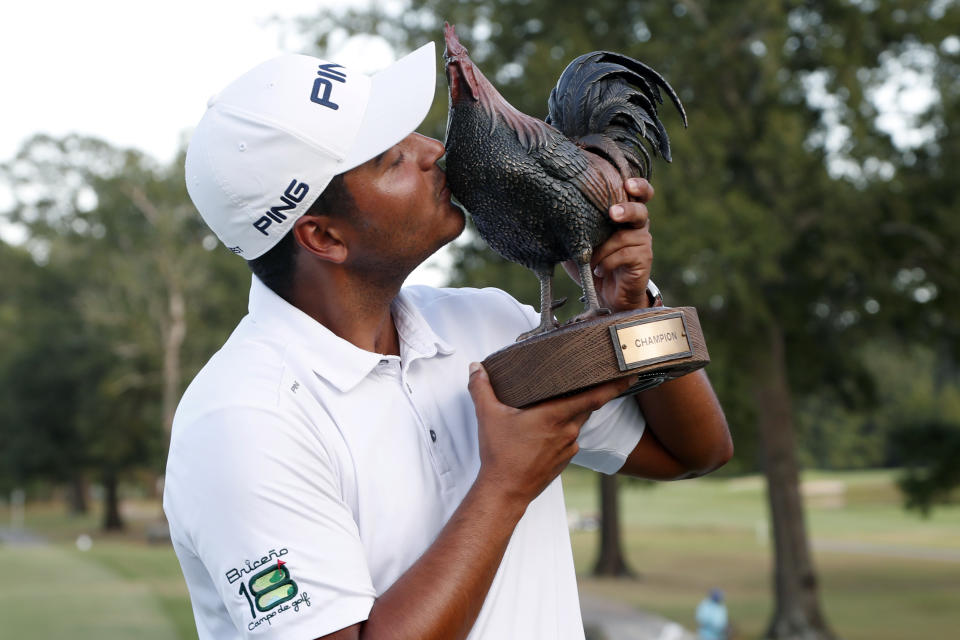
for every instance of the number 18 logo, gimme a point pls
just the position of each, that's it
(269, 588)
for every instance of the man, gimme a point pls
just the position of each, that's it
(333, 472)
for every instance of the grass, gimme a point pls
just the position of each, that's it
(59, 593)
(157, 568)
(121, 587)
(682, 538)
(688, 537)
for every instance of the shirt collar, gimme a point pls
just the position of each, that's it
(341, 363)
(414, 330)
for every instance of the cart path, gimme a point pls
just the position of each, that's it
(887, 550)
(19, 537)
(608, 619)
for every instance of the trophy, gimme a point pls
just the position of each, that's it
(539, 192)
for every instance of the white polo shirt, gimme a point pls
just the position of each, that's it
(306, 475)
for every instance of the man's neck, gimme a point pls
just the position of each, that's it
(357, 312)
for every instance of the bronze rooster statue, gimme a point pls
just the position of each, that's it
(539, 192)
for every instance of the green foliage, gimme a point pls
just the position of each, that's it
(913, 424)
(49, 368)
(920, 412)
(930, 451)
(114, 246)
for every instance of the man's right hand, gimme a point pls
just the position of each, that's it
(523, 450)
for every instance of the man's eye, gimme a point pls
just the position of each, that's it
(398, 159)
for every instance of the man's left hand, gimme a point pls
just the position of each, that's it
(621, 265)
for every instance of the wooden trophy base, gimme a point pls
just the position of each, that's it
(653, 345)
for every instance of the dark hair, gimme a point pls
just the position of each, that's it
(276, 267)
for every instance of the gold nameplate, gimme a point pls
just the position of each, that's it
(650, 340)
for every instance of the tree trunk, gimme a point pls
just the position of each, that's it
(111, 502)
(610, 561)
(174, 335)
(78, 494)
(797, 614)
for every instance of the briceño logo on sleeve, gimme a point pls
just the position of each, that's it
(269, 590)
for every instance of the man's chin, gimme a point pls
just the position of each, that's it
(461, 216)
(441, 243)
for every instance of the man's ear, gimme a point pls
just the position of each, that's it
(322, 237)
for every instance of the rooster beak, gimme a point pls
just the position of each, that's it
(460, 86)
(459, 67)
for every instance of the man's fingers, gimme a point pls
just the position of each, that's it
(582, 404)
(639, 189)
(632, 214)
(479, 387)
(590, 400)
(638, 243)
(633, 257)
(620, 240)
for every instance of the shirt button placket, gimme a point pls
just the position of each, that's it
(433, 434)
(436, 451)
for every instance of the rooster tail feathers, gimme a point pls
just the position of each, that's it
(610, 95)
(647, 79)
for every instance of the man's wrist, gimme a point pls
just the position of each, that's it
(492, 497)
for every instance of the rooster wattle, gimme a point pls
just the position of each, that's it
(539, 194)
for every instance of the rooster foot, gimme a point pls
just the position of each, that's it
(545, 326)
(559, 302)
(590, 314)
(547, 303)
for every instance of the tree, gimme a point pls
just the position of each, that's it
(920, 415)
(48, 375)
(137, 256)
(930, 450)
(922, 231)
(770, 221)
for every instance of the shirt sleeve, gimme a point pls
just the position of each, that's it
(256, 498)
(611, 433)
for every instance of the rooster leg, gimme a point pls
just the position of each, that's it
(593, 309)
(547, 323)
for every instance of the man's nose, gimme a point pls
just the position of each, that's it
(429, 150)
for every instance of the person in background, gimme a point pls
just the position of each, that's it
(712, 617)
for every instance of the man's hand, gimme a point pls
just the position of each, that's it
(622, 264)
(523, 450)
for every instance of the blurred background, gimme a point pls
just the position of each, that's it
(810, 214)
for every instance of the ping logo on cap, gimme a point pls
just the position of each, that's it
(326, 74)
(293, 195)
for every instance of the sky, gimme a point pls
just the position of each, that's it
(138, 74)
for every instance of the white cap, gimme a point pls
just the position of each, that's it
(270, 142)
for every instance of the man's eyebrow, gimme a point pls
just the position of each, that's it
(378, 159)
